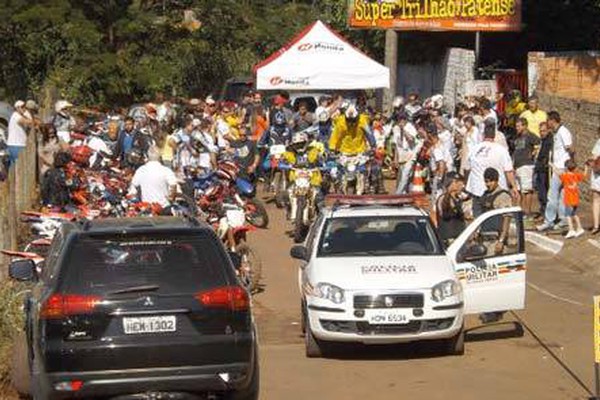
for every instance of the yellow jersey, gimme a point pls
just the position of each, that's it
(349, 138)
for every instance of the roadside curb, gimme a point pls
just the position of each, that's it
(544, 242)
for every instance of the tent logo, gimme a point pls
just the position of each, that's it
(292, 81)
(276, 81)
(321, 46)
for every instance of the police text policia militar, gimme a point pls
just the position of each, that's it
(432, 9)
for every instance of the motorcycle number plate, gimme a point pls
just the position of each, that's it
(302, 182)
(236, 218)
(277, 150)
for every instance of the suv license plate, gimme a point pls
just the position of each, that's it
(141, 325)
(388, 317)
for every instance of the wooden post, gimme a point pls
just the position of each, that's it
(391, 61)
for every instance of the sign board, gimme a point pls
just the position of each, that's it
(481, 88)
(597, 329)
(436, 15)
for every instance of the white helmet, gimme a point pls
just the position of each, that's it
(398, 102)
(351, 113)
(322, 114)
(61, 105)
(437, 101)
(299, 137)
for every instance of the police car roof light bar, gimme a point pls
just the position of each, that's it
(378, 200)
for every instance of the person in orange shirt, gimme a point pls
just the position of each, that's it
(570, 180)
(259, 123)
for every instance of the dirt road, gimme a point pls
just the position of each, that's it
(502, 361)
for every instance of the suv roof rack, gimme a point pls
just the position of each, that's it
(416, 200)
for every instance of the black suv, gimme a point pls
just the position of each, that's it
(139, 308)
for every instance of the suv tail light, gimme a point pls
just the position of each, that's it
(234, 298)
(61, 305)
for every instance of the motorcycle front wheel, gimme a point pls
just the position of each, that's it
(256, 213)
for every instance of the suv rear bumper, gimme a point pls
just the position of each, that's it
(180, 379)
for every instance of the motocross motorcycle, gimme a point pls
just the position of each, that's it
(353, 173)
(278, 176)
(303, 200)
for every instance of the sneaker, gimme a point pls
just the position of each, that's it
(579, 232)
(595, 231)
(571, 235)
(544, 227)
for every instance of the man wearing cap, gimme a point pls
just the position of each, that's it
(19, 122)
(63, 121)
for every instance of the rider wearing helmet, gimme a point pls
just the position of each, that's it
(278, 133)
(351, 133)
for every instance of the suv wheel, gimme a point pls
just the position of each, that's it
(19, 372)
(455, 346)
(252, 391)
(315, 348)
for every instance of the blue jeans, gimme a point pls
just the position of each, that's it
(13, 153)
(556, 206)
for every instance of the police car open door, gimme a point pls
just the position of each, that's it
(490, 262)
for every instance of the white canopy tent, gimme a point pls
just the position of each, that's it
(319, 58)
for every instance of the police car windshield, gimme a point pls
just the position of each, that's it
(378, 236)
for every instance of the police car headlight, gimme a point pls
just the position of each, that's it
(445, 289)
(329, 292)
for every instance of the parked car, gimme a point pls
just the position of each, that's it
(136, 308)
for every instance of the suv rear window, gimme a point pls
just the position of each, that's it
(176, 263)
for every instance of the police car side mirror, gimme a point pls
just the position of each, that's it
(299, 253)
(475, 252)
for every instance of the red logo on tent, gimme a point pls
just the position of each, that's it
(276, 80)
(305, 47)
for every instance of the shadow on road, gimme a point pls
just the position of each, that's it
(484, 333)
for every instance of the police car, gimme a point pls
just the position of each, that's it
(374, 271)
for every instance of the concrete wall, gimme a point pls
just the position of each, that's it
(448, 77)
(570, 84)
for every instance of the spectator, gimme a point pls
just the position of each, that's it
(19, 122)
(489, 154)
(245, 154)
(303, 118)
(441, 162)
(49, 146)
(561, 153)
(534, 115)
(571, 179)
(526, 147)
(204, 144)
(472, 137)
(542, 167)
(594, 164)
(413, 106)
(450, 216)
(153, 182)
(181, 143)
(63, 121)
(127, 137)
(54, 189)
(259, 122)
(487, 113)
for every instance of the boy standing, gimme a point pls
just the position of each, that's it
(570, 180)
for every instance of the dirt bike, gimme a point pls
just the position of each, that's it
(303, 196)
(230, 225)
(353, 173)
(278, 177)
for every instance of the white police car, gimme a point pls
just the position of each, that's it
(374, 271)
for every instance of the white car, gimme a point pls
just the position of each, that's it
(378, 274)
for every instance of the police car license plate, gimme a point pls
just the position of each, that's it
(141, 325)
(387, 317)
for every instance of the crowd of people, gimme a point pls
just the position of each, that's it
(472, 156)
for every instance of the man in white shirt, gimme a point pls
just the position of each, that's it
(153, 182)
(20, 121)
(406, 140)
(562, 151)
(489, 154)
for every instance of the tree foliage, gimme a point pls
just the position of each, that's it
(120, 51)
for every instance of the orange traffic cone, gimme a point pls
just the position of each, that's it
(418, 181)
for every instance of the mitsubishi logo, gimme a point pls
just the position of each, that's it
(389, 301)
(148, 302)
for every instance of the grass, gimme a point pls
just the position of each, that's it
(11, 322)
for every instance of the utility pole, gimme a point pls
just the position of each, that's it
(391, 61)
